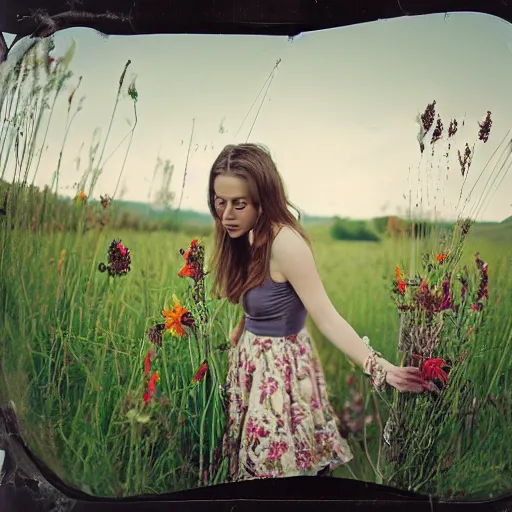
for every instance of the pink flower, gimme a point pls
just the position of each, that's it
(255, 432)
(303, 457)
(263, 344)
(276, 450)
(268, 387)
(298, 413)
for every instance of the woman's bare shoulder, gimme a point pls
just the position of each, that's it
(288, 240)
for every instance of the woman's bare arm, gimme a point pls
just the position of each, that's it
(295, 261)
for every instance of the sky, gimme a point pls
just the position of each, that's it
(339, 117)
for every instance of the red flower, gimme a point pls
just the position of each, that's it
(432, 369)
(441, 257)
(152, 383)
(401, 284)
(151, 387)
(147, 362)
(199, 376)
(194, 261)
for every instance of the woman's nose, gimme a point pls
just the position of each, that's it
(229, 213)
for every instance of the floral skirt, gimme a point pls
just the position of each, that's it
(280, 422)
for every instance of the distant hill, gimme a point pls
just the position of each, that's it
(191, 216)
(508, 220)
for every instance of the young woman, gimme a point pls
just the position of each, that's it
(280, 422)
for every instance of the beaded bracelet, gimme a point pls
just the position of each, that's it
(374, 369)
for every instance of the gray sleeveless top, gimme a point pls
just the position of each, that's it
(274, 309)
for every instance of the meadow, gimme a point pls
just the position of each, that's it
(121, 393)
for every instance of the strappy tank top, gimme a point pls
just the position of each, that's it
(274, 309)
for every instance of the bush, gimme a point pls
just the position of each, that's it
(354, 230)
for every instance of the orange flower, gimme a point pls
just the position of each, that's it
(401, 284)
(176, 318)
(187, 271)
(441, 257)
(82, 196)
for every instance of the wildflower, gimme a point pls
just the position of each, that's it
(194, 261)
(82, 197)
(483, 290)
(151, 387)
(350, 380)
(400, 283)
(441, 257)
(432, 369)
(438, 131)
(464, 283)
(155, 334)
(485, 128)
(105, 201)
(447, 299)
(147, 362)
(434, 300)
(465, 163)
(152, 382)
(427, 118)
(452, 129)
(177, 317)
(132, 91)
(465, 227)
(119, 260)
(199, 376)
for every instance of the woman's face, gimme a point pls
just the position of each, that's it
(234, 205)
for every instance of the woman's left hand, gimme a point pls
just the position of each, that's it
(406, 379)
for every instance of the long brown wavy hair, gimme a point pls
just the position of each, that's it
(239, 266)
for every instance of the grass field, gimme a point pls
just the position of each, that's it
(76, 343)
